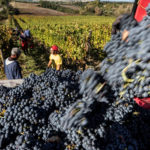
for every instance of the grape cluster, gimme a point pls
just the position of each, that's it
(66, 110)
(25, 110)
(127, 63)
(59, 110)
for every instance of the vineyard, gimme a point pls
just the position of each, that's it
(71, 34)
(80, 42)
(6, 43)
(82, 110)
(36, 62)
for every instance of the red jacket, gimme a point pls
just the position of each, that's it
(140, 11)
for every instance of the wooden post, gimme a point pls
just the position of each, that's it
(2, 56)
(88, 45)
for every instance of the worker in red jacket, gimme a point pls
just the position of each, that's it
(24, 42)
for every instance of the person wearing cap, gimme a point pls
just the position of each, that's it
(55, 59)
(11, 65)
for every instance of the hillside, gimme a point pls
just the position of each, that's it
(33, 9)
(73, 7)
(89, 8)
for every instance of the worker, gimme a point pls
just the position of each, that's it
(24, 42)
(120, 24)
(27, 33)
(11, 65)
(55, 59)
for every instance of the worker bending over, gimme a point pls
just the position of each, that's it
(24, 42)
(11, 65)
(55, 60)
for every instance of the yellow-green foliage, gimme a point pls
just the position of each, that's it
(5, 37)
(70, 33)
(5, 41)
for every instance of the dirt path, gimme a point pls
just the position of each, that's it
(33, 9)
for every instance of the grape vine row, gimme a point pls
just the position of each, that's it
(67, 110)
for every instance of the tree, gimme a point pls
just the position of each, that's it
(5, 4)
(97, 2)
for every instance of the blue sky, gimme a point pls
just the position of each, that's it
(118, 0)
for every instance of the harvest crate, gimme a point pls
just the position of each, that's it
(11, 83)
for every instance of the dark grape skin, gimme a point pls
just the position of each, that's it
(23, 119)
(27, 104)
(83, 111)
